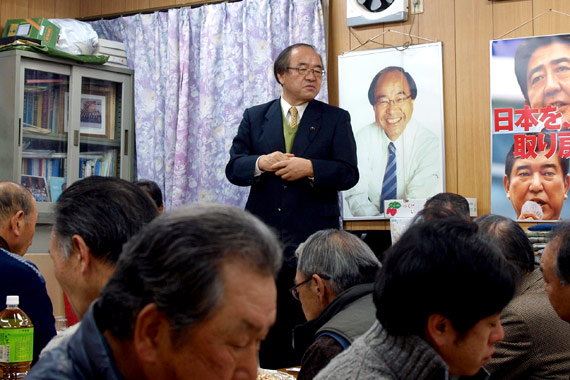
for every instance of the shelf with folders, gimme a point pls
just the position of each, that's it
(45, 105)
(44, 173)
(99, 163)
(58, 115)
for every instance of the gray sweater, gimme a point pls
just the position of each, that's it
(379, 356)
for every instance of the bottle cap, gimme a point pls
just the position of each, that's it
(13, 300)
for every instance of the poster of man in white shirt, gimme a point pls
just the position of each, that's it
(395, 98)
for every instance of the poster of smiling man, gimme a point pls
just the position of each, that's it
(530, 126)
(395, 99)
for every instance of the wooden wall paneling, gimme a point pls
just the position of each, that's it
(41, 8)
(405, 27)
(434, 24)
(367, 225)
(67, 9)
(10, 9)
(551, 23)
(508, 15)
(134, 5)
(339, 42)
(364, 33)
(91, 8)
(113, 6)
(472, 77)
(161, 3)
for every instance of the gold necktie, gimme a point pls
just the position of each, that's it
(294, 113)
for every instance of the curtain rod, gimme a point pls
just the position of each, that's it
(165, 8)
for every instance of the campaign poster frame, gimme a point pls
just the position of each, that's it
(525, 125)
(424, 64)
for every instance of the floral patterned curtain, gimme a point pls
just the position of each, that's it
(196, 70)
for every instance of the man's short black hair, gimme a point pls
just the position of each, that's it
(560, 238)
(411, 82)
(152, 189)
(441, 267)
(456, 203)
(282, 61)
(511, 239)
(176, 262)
(524, 53)
(510, 159)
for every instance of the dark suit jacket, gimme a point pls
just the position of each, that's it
(295, 209)
(537, 342)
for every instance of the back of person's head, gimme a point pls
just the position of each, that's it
(13, 198)
(511, 240)
(341, 256)
(454, 202)
(175, 262)
(105, 212)
(152, 189)
(560, 239)
(434, 212)
(441, 267)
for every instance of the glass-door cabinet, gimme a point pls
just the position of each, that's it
(61, 121)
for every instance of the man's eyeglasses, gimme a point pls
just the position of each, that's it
(397, 101)
(305, 71)
(295, 291)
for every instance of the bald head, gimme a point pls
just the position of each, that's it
(14, 197)
(18, 216)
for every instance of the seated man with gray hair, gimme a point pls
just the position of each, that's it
(334, 282)
(192, 296)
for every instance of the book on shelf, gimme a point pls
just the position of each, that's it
(120, 61)
(103, 50)
(37, 186)
(47, 80)
(56, 187)
(98, 163)
(45, 167)
(111, 44)
(42, 110)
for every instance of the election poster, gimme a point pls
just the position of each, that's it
(395, 100)
(530, 127)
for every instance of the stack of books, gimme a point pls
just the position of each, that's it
(114, 50)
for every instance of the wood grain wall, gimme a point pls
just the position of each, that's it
(464, 26)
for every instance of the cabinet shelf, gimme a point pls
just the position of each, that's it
(46, 101)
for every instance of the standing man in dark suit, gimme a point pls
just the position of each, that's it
(296, 153)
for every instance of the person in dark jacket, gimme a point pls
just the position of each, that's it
(18, 276)
(334, 282)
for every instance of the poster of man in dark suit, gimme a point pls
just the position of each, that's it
(530, 119)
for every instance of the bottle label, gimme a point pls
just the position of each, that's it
(16, 345)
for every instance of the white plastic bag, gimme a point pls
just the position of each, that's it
(75, 37)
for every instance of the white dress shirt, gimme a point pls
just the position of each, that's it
(419, 167)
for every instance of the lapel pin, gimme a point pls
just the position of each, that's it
(312, 128)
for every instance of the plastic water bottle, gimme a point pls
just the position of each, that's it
(16, 341)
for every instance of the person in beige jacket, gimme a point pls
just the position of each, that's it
(537, 342)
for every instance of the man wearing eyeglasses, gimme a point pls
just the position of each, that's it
(296, 153)
(397, 157)
(334, 283)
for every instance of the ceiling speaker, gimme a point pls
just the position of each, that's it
(365, 12)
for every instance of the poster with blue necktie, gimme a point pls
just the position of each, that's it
(530, 127)
(395, 100)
